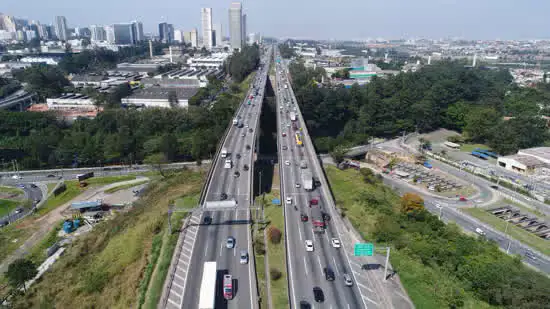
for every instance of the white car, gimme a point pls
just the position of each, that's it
(309, 245)
(289, 200)
(287, 162)
(297, 185)
(336, 243)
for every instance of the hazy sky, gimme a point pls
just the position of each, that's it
(319, 19)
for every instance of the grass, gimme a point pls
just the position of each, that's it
(514, 231)
(11, 237)
(471, 147)
(51, 186)
(11, 190)
(6, 206)
(107, 267)
(127, 186)
(425, 285)
(38, 253)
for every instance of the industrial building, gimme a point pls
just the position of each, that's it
(526, 161)
(103, 80)
(159, 97)
(216, 60)
(71, 101)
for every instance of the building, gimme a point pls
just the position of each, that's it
(7, 23)
(166, 32)
(30, 34)
(140, 68)
(243, 35)
(20, 35)
(98, 33)
(110, 34)
(71, 101)
(178, 36)
(187, 36)
(124, 34)
(527, 161)
(61, 30)
(43, 32)
(194, 38)
(218, 34)
(7, 35)
(235, 25)
(103, 81)
(215, 60)
(159, 97)
(206, 18)
(137, 31)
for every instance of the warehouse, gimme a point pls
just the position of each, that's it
(520, 163)
(159, 97)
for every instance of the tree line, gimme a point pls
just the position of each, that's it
(448, 95)
(243, 62)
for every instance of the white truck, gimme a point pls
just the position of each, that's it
(224, 153)
(286, 86)
(235, 121)
(228, 163)
(307, 180)
(292, 116)
(207, 296)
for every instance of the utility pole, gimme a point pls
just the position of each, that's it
(387, 261)
(506, 233)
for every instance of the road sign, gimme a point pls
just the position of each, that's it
(363, 249)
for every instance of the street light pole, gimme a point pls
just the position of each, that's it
(506, 233)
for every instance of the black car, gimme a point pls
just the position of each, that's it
(207, 220)
(304, 305)
(250, 130)
(317, 183)
(247, 147)
(223, 196)
(329, 274)
(238, 156)
(33, 185)
(245, 167)
(51, 176)
(285, 148)
(236, 174)
(318, 294)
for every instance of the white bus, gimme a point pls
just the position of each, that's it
(207, 298)
(452, 145)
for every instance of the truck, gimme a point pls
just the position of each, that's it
(207, 296)
(235, 121)
(292, 116)
(317, 219)
(227, 287)
(307, 180)
(286, 86)
(228, 163)
(224, 153)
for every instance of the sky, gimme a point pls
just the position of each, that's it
(314, 19)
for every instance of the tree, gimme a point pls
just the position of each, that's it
(338, 154)
(20, 271)
(274, 235)
(157, 161)
(85, 42)
(411, 202)
(173, 98)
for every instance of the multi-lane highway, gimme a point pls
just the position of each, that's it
(225, 213)
(307, 268)
(33, 193)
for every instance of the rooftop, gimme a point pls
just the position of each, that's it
(528, 161)
(160, 93)
(541, 152)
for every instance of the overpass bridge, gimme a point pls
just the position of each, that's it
(18, 101)
(203, 237)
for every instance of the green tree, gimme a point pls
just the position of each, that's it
(411, 202)
(173, 98)
(480, 122)
(20, 271)
(157, 161)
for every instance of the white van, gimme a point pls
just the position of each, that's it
(480, 231)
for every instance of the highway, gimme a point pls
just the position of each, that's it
(208, 239)
(306, 269)
(33, 193)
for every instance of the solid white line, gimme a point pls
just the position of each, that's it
(336, 266)
(372, 301)
(320, 265)
(221, 248)
(300, 232)
(234, 251)
(305, 265)
(173, 302)
(349, 307)
(206, 249)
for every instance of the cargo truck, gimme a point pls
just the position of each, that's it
(235, 121)
(307, 180)
(292, 116)
(224, 153)
(207, 296)
(317, 219)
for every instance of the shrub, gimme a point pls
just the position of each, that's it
(275, 274)
(274, 235)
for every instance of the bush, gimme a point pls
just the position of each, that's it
(275, 274)
(259, 247)
(274, 235)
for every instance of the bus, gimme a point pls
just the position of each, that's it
(452, 145)
(298, 139)
(207, 296)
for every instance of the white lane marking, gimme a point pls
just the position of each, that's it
(349, 307)
(221, 248)
(305, 265)
(185, 248)
(173, 302)
(173, 291)
(250, 284)
(206, 249)
(320, 265)
(234, 251)
(176, 274)
(336, 266)
(365, 287)
(181, 268)
(372, 301)
(300, 232)
(187, 256)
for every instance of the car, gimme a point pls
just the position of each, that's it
(250, 130)
(335, 243)
(494, 187)
(243, 134)
(19, 210)
(245, 167)
(238, 156)
(33, 185)
(303, 217)
(236, 174)
(309, 245)
(21, 186)
(285, 147)
(462, 198)
(207, 220)
(347, 280)
(289, 200)
(287, 162)
(480, 231)
(284, 134)
(329, 274)
(317, 183)
(244, 257)
(313, 201)
(16, 177)
(230, 243)
(223, 196)
(51, 176)
(247, 147)
(318, 294)
(304, 305)
(297, 185)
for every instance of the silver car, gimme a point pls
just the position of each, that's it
(244, 257)
(347, 280)
(230, 243)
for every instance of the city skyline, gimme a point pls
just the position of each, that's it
(356, 19)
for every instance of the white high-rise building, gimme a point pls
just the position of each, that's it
(236, 25)
(109, 34)
(98, 33)
(137, 31)
(218, 34)
(7, 23)
(178, 36)
(194, 38)
(206, 18)
(244, 29)
(61, 28)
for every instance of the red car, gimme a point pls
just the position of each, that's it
(251, 97)
(462, 199)
(313, 201)
(284, 134)
(304, 217)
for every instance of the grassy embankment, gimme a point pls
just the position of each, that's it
(439, 266)
(127, 186)
(8, 204)
(275, 252)
(111, 266)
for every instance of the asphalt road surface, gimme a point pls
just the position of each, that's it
(210, 240)
(33, 193)
(306, 269)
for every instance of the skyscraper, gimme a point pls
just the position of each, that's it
(235, 25)
(206, 18)
(166, 32)
(218, 34)
(7, 23)
(187, 37)
(194, 38)
(61, 28)
(137, 28)
(244, 29)
(178, 36)
(98, 33)
(124, 34)
(110, 34)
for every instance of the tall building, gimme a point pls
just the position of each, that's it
(30, 34)
(43, 32)
(98, 33)
(137, 28)
(61, 28)
(244, 29)
(178, 36)
(187, 37)
(194, 38)
(7, 23)
(235, 25)
(166, 32)
(34, 27)
(124, 34)
(110, 34)
(218, 34)
(206, 17)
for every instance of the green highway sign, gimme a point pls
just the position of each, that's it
(363, 249)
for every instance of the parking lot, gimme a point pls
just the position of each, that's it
(430, 179)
